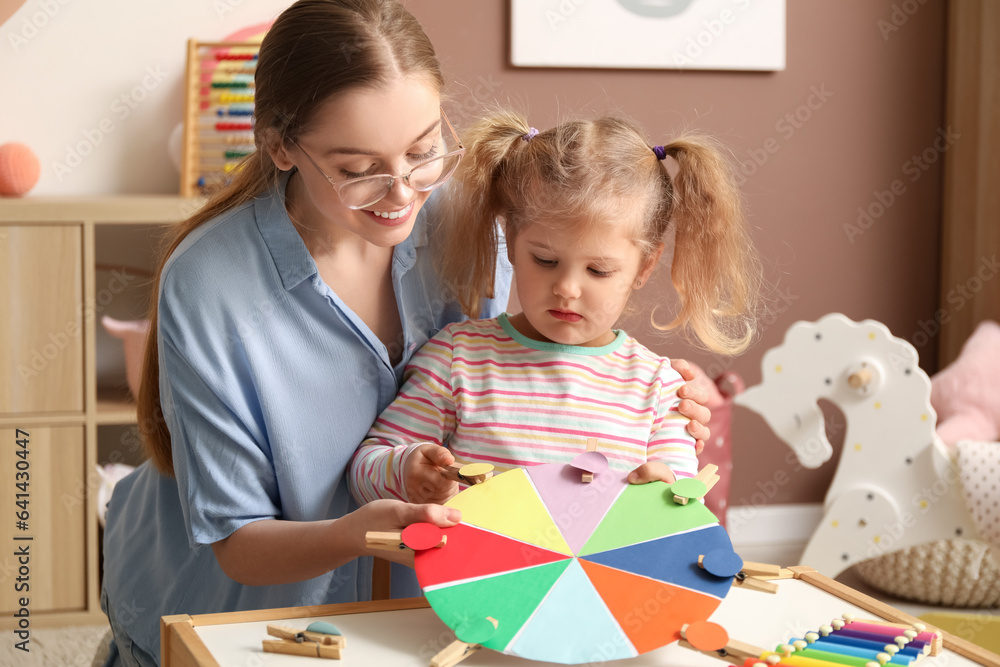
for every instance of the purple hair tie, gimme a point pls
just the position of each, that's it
(661, 152)
(532, 133)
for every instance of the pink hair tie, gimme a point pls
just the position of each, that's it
(532, 133)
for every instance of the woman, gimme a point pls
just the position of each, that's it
(286, 310)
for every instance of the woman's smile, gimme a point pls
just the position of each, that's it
(391, 218)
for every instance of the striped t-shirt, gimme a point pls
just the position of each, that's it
(492, 395)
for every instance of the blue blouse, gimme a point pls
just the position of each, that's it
(268, 383)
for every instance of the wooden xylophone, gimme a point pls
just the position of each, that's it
(854, 642)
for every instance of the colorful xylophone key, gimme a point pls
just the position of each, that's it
(918, 634)
(855, 643)
(870, 652)
(906, 655)
(912, 637)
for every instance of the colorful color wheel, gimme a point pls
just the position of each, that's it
(574, 572)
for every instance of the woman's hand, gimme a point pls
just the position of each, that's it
(693, 404)
(273, 551)
(423, 480)
(392, 516)
(652, 471)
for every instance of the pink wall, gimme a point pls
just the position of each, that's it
(877, 99)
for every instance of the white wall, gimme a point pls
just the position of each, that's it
(95, 87)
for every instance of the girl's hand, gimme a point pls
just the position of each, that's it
(693, 406)
(423, 480)
(652, 471)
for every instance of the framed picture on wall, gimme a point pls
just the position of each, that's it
(649, 34)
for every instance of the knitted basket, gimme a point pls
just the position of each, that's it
(951, 573)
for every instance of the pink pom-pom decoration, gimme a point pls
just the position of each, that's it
(19, 169)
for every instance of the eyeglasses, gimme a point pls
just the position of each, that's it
(367, 190)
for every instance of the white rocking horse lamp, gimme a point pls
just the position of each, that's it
(895, 485)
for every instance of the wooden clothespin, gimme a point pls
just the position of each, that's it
(384, 541)
(591, 447)
(470, 473)
(693, 488)
(753, 576)
(454, 653)
(416, 536)
(470, 636)
(319, 640)
(590, 463)
(731, 650)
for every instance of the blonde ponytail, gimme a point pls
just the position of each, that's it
(715, 269)
(478, 201)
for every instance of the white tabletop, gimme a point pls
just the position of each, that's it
(409, 638)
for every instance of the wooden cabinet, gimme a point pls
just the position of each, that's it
(42, 339)
(51, 300)
(49, 495)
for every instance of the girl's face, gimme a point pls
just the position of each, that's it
(573, 287)
(385, 130)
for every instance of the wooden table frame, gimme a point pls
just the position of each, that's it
(182, 647)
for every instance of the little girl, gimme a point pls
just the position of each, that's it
(585, 209)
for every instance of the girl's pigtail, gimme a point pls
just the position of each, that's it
(475, 204)
(715, 269)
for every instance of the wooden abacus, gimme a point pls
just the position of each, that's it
(218, 112)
